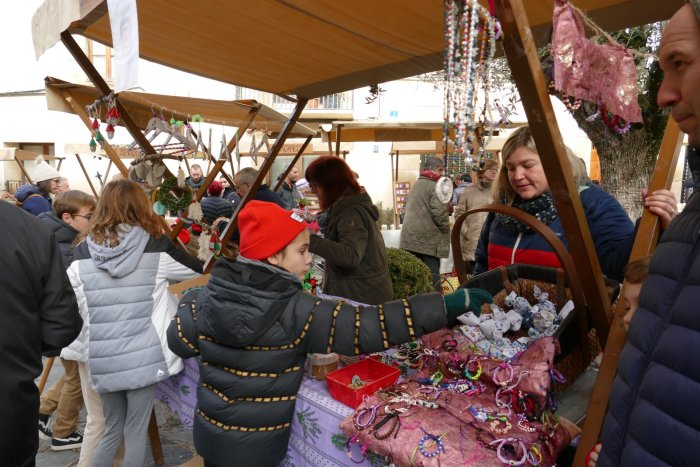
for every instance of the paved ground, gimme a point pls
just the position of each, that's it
(176, 440)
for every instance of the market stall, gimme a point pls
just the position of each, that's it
(396, 40)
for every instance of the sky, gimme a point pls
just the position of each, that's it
(21, 70)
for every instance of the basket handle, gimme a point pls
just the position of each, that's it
(552, 240)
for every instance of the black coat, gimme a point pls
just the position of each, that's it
(353, 247)
(64, 234)
(253, 326)
(38, 313)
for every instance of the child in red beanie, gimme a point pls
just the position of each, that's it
(253, 326)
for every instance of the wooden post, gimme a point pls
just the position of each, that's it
(281, 138)
(521, 52)
(106, 176)
(87, 177)
(154, 437)
(337, 139)
(45, 373)
(644, 245)
(294, 161)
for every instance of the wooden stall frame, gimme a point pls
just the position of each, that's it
(297, 156)
(521, 53)
(644, 245)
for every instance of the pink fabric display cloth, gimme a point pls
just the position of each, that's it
(502, 417)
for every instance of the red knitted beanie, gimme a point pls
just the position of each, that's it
(266, 229)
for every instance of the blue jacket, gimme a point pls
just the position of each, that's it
(33, 204)
(611, 229)
(654, 403)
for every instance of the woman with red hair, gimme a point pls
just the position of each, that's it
(352, 245)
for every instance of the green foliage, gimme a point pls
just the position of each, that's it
(409, 275)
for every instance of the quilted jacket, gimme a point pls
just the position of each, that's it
(654, 403)
(253, 325)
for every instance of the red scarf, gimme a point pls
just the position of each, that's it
(429, 174)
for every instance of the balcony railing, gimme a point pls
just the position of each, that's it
(339, 101)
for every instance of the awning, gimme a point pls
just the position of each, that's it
(307, 48)
(142, 105)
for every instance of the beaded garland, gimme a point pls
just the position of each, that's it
(467, 64)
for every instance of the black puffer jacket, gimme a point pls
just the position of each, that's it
(353, 247)
(64, 233)
(253, 326)
(214, 207)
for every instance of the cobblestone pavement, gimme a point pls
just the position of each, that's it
(176, 440)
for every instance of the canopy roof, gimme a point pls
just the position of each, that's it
(307, 48)
(142, 105)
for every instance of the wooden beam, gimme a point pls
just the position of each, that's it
(644, 245)
(279, 142)
(291, 164)
(111, 153)
(104, 88)
(24, 171)
(87, 176)
(521, 52)
(218, 166)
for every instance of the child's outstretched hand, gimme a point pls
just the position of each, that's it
(462, 300)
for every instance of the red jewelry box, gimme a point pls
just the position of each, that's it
(374, 374)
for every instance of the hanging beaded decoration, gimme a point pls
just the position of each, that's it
(467, 67)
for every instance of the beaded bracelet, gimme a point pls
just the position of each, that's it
(534, 456)
(524, 426)
(498, 369)
(528, 405)
(496, 421)
(359, 418)
(363, 449)
(515, 444)
(437, 439)
(395, 422)
(477, 373)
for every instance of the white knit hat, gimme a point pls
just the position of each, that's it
(43, 171)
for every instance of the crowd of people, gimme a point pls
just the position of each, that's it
(89, 281)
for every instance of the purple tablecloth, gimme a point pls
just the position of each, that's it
(316, 439)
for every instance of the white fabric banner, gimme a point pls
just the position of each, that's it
(125, 40)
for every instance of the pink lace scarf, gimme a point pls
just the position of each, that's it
(599, 73)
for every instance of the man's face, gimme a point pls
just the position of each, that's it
(241, 186)
(293, 175)
(679, 60)
(196, 174)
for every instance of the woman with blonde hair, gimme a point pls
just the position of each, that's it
(522, 183)
(120, 275)
(475, 196)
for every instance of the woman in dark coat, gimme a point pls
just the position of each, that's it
(352, 245)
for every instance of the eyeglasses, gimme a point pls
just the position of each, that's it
(88, 217)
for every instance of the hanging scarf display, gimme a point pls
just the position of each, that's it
(542, 207)
(598, 73)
